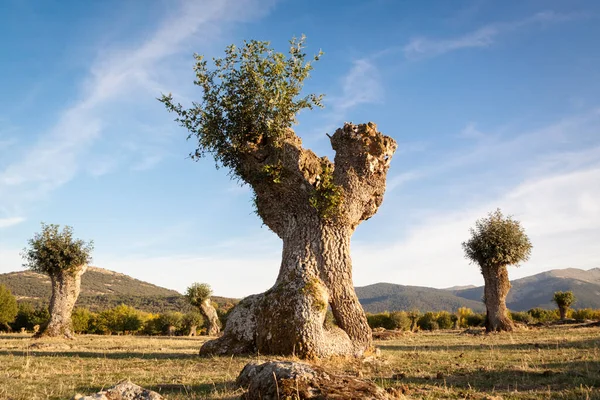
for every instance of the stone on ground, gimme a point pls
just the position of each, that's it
(125, 390)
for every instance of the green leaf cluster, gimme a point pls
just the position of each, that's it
(563, 299)
(53, 251)
(327, 196)
(196, 293)
(497, 241)
(8, 306)
(250, 97)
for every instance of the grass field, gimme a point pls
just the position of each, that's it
(557, 362)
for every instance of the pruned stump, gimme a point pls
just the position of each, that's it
(294, 380)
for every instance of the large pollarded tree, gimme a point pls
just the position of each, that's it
(64, 259)
(198, 295)
(250, 100)
(563, 300)
(497, 242)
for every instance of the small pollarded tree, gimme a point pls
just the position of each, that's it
(8, 308)
(563, 300)
(497, 242)
(64, 259)
(249, 103)
(198, 295)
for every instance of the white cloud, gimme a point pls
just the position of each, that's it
(420, 47)
(116, 76)
(7, 222)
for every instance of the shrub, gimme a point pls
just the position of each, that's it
(462, 313)
(8, 307)
(543, 315)
(444, 320)
(381, 320)
(586, 313)
(475, 320)
(522, 317)
(400, 320)
(122, 318)
(81, 318)
(190, 320)
(170, 321)
(428, 322)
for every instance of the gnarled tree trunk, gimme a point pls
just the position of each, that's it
(212, 319)
(496, 289)
(563, 312)
(65, 290)
(314, 206)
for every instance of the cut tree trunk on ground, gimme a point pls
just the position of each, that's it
(212, 319)
(285, 379)
(314, 206)
(496, 289)
(66, 286)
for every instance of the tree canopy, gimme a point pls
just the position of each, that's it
(53, 251)
(563, 299)
(497, 241)
(197, 293)
(249, 99)
(8, 306)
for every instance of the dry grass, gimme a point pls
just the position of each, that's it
(562, 363)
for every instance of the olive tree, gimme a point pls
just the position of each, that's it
(497, 242)
(249, 102)
(198, 295)
(64, 259)
(8, 307)
(563, 300)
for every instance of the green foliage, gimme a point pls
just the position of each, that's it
(563, 299)
(327, 196)
(53, 251)
(522, 317)
(462, 313)
(428, 322)
(586, 313)
(197, 293)
(8, 306)
(191, 319)
(445, 320)
(543, 315)
(251, 97)
(122, 318)
(169, 319)
(475, 320)
(497, 241)
(28, 316)
(81, 318)
(390, 320)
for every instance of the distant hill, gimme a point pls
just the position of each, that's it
(101, 289)
(390, 297)
(537, 290)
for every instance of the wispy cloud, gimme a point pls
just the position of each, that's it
(6, 222)
(485, 36)
(121, 73)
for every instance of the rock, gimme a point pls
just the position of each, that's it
(283, 379)
(124, 390)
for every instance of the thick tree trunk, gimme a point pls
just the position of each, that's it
(65, 290)
(496, 289)
(563, 312)
(212, 319)
(314, 206)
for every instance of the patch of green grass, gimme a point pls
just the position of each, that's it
(559, 362)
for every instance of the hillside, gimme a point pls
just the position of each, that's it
(537, 290)
(101, 289)
(390, 297)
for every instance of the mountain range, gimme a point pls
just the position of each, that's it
(101, 289)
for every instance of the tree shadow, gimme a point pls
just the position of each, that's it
(203, 391)
(93, 354)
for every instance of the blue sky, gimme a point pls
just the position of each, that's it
(493, 104)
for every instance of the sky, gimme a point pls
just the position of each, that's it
(493, 104)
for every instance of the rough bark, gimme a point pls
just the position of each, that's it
(315, 219)
(496, 289)
(66, 286)
(292, 380)
(212, 319)
(563, 312)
